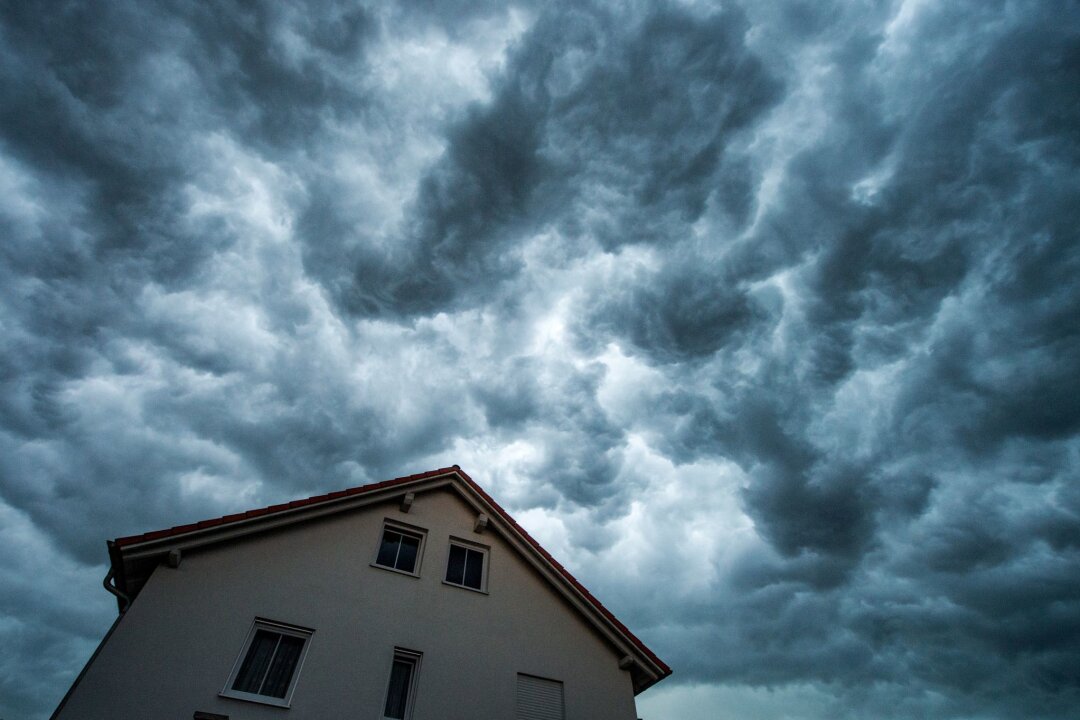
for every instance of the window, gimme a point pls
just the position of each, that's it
(466, 566)
(538, 698)
(267, 668)
(402, 687)
(400, 549)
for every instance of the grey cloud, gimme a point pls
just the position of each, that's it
(511, 397)
(104, 106)
(597, 122)
(956, 268)
(262, 87)
(683, 312)
(580, 447)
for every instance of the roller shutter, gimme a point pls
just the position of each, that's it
(539, 699)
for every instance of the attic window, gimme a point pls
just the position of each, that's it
(466, 566)
(267, 668)
(399, 549)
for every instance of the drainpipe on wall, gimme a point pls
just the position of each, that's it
(107, 582)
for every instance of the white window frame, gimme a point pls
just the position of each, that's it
(476, 547)
(273, 626)
(402, 529)
(413, 657)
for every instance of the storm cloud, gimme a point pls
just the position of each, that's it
(763, 317)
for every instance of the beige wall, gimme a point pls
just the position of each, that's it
(172, 652)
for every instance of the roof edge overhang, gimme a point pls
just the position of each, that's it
(149, 549)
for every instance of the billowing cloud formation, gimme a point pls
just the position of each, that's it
(763, 317)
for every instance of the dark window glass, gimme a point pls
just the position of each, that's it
(407, 555)
(398, 551)
(474, 569)
(388, 550)
(269, 665)
(284, 664)
(455, 569)
(465, 567)
(257, 660)
(398, 693)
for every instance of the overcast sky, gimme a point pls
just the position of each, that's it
(763, 317)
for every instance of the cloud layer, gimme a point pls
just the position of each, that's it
(762, 316)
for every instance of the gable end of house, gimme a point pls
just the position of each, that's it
(133, 558)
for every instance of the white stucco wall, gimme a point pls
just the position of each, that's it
(172, 652)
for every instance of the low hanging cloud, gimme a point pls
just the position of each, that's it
(762, 317)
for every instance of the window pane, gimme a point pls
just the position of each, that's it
(253, 669)
(388, 550)
(407, 556)
(398, 693)
(282, 667)
(474, 569)
(455, 570)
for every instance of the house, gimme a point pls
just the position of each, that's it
(415, 598)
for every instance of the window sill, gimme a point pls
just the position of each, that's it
(256, 699)
(395, 570)
(465, 587)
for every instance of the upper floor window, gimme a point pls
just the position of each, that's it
(467, 566)
(399, 549)
(267, 668)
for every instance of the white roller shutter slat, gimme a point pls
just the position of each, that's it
(539, 699)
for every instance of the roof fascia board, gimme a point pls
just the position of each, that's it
(202, 537)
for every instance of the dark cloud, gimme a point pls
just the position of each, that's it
(609, 133)
(763, 316)
(926, 284)
(681, 313)
(260, 82)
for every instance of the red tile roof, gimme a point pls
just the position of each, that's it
(316, 499)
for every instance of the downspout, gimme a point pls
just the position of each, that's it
(107, 582)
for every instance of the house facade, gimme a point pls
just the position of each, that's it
(417, 598)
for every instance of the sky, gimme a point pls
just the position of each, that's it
(763, 317)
